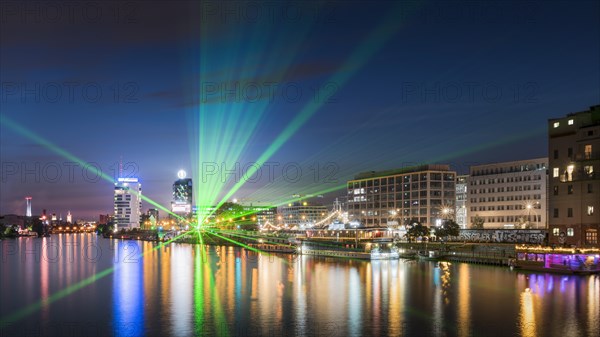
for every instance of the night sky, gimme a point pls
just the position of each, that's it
(359, 86)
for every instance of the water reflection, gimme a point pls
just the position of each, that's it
(464, 301)
(193, 290)
(128, 291)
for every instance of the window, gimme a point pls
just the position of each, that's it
(569, 212)
(591, 236)
(570, 232)
(590, 189)
(555, 172)
(589, 170)
(570, 169)
(570, 189)
(555, 190)
(556, 124)
(556, 212)
(588, 151)
(590, 210)
(571, 122)
(555, 154)
(570, 152)
(555, 231)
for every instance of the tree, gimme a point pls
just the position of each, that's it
(477, 222)
(448, 228)
(417, 229)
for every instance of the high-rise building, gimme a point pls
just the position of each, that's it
(574, 163)
(69, 217)
(509, 195)
(128, 203)
(461, 210)
(28, 210)
(182, 195)
(425, 193)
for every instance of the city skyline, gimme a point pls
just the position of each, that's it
(223, 172)
(300, 168)
(443, 80)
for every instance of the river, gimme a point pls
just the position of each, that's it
(82, 284)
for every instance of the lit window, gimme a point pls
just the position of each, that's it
(555, 172)
(591, 236)
(556, 124)
(570, 169)
(555, 231)
(590, 210)
(571, 122)
(588, 151)
(570, 232)
(589, 170)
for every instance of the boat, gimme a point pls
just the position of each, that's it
(432, 255)
(377, 254)
(558, 260)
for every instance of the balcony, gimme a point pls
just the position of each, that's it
(587, 156)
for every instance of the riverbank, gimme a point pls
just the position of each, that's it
(494, 254)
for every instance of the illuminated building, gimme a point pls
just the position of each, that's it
(154, 212)
(461, 210)
(28, 210)
(425, 193)
(574, 193)
(182, 195)
(128, 203)
(44, 217)
(509, 195)
(262, 214)
(301, 212)
(69, 217)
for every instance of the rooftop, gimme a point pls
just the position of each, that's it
(410, 169)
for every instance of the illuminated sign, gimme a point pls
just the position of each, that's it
(128, 180)
(181, 208)
(181, 174)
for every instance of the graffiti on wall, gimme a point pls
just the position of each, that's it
(535, 236)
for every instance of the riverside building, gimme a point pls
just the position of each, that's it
(424, 193)
(509, 195)
(574, 160)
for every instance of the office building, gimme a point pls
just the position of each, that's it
(424, 193)
(301, 213)
(574, 163)
(509, 195)
(461, 210)
(128, 203)
(182, 195)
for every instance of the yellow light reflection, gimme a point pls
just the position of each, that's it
(527, 317)
(464, 301)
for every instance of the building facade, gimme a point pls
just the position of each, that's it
(154, 213)
(425, 193)
(301, 213)
(509, 195)
(182, 196)
(461, 210)
(128, 203)
(574, 161)
(262, 214)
